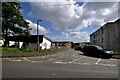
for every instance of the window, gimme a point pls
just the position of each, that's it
(98, 47)
(102, 40)
(102, 30)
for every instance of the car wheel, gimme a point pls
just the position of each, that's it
(100, 55)
(110, 56)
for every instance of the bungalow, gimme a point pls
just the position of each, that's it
(11, 43)
(30, 42)
(1, 42)
(82, 44)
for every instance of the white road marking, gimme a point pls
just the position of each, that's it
(11, 59)
(98, 61)
(119, 60)
(43, 57)
(16, 60)
(53, 74)
(74, 60)
(70, 63)
(33, 61)
(50, 59)
(87, 63)
(107, 64)
(61, 62)
(79, 63)
(26, 59)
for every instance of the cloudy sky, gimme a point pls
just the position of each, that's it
(68, 20)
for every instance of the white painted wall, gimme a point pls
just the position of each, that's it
(45, 44)
(20, 44)
(11, 43)
(1, 42)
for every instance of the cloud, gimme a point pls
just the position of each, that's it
(77, 36)
(100, 0)
(65, 1)
(99, 13)
(72, 35)
(32, 25)
(69, 15)
(61, 14)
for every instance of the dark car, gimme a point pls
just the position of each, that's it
(78, 48)
(95, 50)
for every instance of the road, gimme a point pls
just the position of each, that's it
(67, 64)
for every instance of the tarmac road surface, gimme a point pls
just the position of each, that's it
(67, 64)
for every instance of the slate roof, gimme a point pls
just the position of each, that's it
(27, 39)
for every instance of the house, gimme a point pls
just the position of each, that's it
(82, 44)
(1, 42)
(11, 43)
(76, 45)
(30, 42)
(62, 44)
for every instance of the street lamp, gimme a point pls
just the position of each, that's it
(38, 35)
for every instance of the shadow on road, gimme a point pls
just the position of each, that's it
(116, 56)
(89, 55)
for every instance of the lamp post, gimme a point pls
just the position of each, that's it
(38, 35)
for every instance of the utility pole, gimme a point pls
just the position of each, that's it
(38, 36)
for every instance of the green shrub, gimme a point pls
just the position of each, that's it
(118, 53)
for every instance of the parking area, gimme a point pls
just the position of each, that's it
(67, 64)
(67, 57)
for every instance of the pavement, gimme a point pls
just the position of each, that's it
(67, 64)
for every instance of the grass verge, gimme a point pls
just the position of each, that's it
(15, 52)
(117, 53)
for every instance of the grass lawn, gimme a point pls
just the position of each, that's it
(8, 49)
(16, 52)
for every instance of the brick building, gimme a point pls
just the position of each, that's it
(62, 44)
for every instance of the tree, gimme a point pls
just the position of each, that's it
(12, 21)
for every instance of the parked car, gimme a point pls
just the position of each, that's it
(95, 50)
(78, 48)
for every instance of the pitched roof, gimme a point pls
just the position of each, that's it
(28, 39)
(62, 42)
(47, 38)
(117, 21)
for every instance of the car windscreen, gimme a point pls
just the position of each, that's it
(98, 47)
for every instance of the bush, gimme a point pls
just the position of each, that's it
(117, 53)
